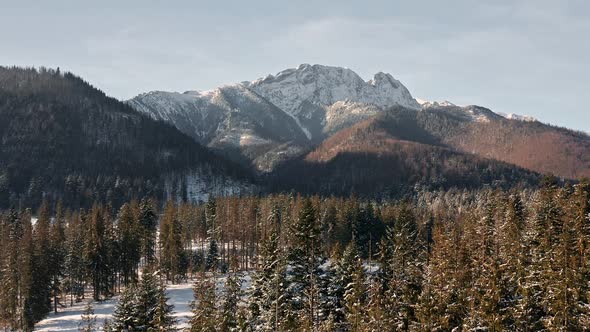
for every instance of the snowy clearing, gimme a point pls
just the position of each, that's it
(68, 319)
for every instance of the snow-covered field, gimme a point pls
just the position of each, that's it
(68, 319)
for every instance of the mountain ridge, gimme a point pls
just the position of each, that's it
(319, 100)
(323, 100)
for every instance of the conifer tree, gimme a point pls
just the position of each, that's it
(148, 223)
(96, 253)
(512, 258)
(88, 323)
(57, 255)
(355, 298)
(124, 316)
(212, 233)
(203, 308)
(344, 270)
(74, 260)
(231, 297)
(172, 253)
(579, 214)
(129, 243)
(41, 269)
(403, 289)
(147, 299)
(262, 288)
(305, 259)
(162, 319)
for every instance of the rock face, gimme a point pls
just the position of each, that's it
(307, 92)
(272, 119)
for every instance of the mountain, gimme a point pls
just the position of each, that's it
(61, 137)
(394, 152)
(518, 140)
(310, 92)
(232, 120)
(276, 118)
(280, 118)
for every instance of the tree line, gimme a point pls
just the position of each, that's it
(470, 260)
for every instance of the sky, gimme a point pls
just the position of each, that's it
(524, 57)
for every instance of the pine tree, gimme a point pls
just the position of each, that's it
(532, 305)
(16, 272)
(96, 253)
(172, 253)
(404, 266)
(41, 260)
(355, 298)
(124, 316)
(162, 319)
(203, 308)
(579, 214)
(378, 315)
(211, 261)
(129, 243)
(57, 255)
(88, 323)
(146, 300)
(305, 259)
(441, 305)
(282, 315)
(511, 257)
(148, 223)
(262, 289)
(342, 277)
(486, 305)
(230, 300)
(74, 260)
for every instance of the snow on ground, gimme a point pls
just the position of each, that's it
(68, 319)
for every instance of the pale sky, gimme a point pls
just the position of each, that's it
(524, 57)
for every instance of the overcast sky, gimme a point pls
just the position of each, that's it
(524, 57)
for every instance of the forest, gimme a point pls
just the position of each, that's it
(454, 260)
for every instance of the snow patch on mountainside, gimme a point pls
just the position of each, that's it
(470, 113)
(518, 117)
(425, 103)
(346, 113)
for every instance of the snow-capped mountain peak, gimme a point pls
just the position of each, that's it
(277, 115)
(295, 88)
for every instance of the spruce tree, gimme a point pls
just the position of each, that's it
(57, 255)
(88, 323)
(342, 277)
(231, 298)
(355, 298)
(162, 319)
(172, 253)
(146, 300)
(41, 268)
(124, 316)
(148, 222)
(305, 259)
(203, 307)
(129, 243)
(96, 253)
(404, 266)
